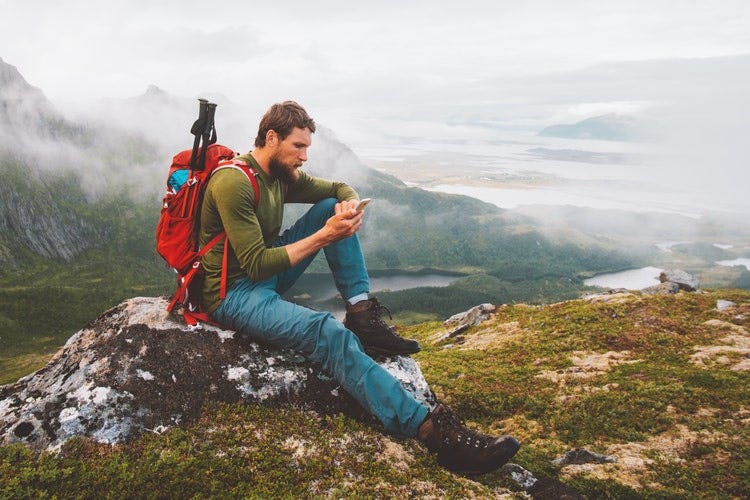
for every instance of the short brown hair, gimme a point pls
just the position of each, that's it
(282, 117)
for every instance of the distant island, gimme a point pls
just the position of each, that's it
(610, 127)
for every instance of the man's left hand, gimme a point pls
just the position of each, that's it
(347, 208)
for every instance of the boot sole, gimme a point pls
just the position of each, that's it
(514, 443)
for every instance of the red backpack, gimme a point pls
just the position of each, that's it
(178, 229)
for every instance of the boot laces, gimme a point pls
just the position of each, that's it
(377, 311)
(454, 428)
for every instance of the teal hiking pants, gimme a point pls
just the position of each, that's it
(258, 309)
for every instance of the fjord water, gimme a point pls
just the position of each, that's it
(520, 168)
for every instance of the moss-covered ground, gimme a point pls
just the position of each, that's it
(661, 383)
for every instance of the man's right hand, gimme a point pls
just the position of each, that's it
(345, 222)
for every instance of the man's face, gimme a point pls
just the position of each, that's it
(290, 154)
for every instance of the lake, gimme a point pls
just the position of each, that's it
(735, 262)
(313, 289)
(632, 279)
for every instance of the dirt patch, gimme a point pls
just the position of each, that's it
(395, 455)
(727, 326)
(588, 365)
(610, 298)
(300, 448)
(633, 459)
(492, 337)
(528, 431)
(733, 346)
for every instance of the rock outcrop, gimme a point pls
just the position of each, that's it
(723, 305)
(685, 281)
(462, 321)
(137, 369)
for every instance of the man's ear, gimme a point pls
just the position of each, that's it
(272, 138)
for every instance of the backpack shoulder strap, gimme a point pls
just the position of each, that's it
(251, 173)
(242, 166)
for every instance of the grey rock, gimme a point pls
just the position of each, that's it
(545, 488)
(137, 369)
(685, 281)
(666, 288)
(474, 315)
(724, 304)
(519, 475)
(582, 456)
(462, 321)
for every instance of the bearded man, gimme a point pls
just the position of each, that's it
(262, 263)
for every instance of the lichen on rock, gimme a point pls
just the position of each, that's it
(136, 368)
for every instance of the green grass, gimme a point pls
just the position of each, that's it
(236, 451)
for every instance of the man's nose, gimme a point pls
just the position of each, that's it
(303, 155)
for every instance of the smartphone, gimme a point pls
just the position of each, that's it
(363, 204)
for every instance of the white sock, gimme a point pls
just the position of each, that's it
(358, 298)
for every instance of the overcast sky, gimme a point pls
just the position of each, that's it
(420, 67)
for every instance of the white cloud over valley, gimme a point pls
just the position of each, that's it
(388, 72)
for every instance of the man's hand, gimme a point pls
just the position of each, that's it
(346, 206)
(345, 222)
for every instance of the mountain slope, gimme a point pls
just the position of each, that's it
(41, 219)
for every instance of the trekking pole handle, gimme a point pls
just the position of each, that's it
(208, 126)
(200, 123)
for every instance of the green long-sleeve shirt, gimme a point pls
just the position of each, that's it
(229, 205)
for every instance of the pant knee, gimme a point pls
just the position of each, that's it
(325, 207)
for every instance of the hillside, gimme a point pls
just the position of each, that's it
(659, 384)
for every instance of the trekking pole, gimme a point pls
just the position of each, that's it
(211, 114)
(207, 136)
(197, 130)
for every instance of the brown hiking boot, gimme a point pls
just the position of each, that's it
(363, 318)
(461, 449)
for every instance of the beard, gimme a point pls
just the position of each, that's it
(286, 173)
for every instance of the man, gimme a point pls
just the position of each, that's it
(263, 264)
